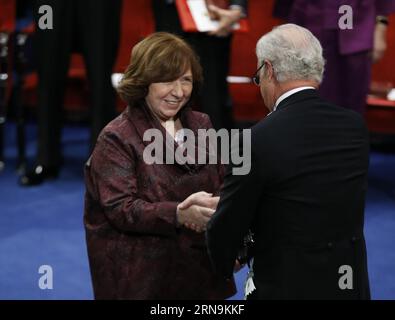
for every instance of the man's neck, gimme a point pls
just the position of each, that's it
(283, 87)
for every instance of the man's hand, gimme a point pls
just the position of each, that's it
(380, 42)
(194, 217)
(196, 210)
(226, 17)
(202, 199)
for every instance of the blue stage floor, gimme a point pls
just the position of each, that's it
(43, 226)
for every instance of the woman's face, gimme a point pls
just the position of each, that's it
(165, 99)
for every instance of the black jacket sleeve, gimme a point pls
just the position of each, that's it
(236, 209)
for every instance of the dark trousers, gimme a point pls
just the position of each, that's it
(214, 56)
(91, 27)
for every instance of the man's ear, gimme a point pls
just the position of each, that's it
(269, 70)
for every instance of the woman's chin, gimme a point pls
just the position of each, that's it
(170, 113)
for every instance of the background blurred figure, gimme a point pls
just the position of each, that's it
(214, 52)
(348, 53)
(89, 26)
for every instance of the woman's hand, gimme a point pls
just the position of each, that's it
(202, 199)
(196, 210)
(194, 217)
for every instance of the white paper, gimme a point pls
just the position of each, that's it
(115, 79)
(249, 286)
(391, 95)
(201, 17)
(238, 79)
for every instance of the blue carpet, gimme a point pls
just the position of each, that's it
(43, 226)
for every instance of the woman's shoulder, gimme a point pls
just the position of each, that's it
(121, 128)
(119, 124)
(199, 118)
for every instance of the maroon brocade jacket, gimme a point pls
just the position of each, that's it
(135, 249)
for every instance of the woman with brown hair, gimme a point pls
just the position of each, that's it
(141, 243)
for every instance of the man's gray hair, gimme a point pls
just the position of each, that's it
(294, 52)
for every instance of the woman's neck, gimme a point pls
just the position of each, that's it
(172, 126)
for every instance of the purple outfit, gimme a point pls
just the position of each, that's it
(136, 250)
(347, 52)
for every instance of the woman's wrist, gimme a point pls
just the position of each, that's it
(178, 217)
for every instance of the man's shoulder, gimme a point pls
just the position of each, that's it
(272, 121)
(353, 117)
(314, 110)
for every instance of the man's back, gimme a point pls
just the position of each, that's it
(304, 195)
(312, 160)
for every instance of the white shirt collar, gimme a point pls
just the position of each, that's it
(290, 93)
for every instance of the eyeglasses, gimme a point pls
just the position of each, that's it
(256, 79)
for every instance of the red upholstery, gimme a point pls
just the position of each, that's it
(248, 103)
(384, 70)
(7, 15)
(137, 22)
(381, 113)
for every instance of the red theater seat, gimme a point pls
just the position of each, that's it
(137, 22)
(380, 115)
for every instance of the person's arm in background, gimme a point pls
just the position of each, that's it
(112, 178)
(383, 9)
(228, 17)
(380, 38)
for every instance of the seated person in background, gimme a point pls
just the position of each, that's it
(138, 242)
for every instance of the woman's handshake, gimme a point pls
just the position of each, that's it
(196, 210)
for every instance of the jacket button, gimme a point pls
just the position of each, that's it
(330, 245)
(354, 239)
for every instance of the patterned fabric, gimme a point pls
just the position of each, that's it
(134, 246)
